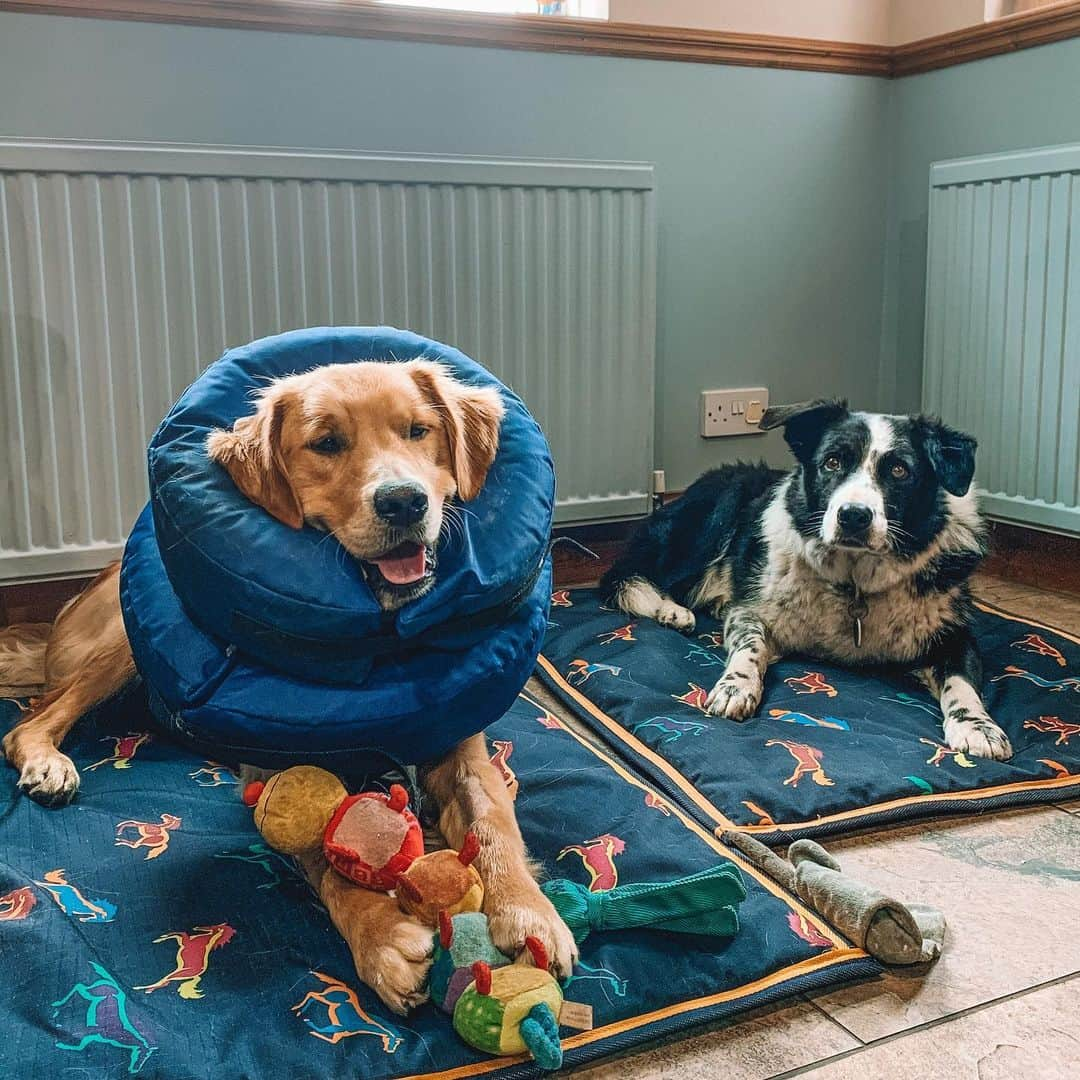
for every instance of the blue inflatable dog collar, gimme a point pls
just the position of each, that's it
(264, 644)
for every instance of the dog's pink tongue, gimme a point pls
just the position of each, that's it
(405, 564)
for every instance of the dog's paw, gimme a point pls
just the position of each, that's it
(736, 696)
(396, 965)
(514, 915)
(676, 616)
(978, 736)
(45, 774)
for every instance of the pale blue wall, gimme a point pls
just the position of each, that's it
(772, 184)
(1014, 102)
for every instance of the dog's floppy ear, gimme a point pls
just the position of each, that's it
(471, 416)
(251, 454)
(804, 422)
(951, 453)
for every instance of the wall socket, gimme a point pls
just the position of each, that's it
(732, 412)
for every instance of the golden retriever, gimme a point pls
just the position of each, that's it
(372, 453)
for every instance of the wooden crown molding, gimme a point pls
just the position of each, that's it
(360, 18)
(1010, 34)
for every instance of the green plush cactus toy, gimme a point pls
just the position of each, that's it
(513, 1009)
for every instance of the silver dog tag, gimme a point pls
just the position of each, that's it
(856, 632)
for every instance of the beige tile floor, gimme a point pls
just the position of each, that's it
(1003, 1003)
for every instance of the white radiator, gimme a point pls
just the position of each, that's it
(1002, 357)
(126, 269)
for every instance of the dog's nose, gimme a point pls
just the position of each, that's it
(400, 504)
(854, 518)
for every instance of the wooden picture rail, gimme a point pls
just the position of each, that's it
(359, 18)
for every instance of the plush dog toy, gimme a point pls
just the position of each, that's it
(372, 839)
(498, 1007)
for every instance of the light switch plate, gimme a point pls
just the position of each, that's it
(732, 412)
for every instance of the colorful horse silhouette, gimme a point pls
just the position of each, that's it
(582, 671)
(763, 816)
(912, 702)
(216, 775)
(124, 749)
(345, 1017)
(623, 633)
(598, 856)
(702, 656)
(260, 855)
(1041, 647)
(1054, 725)
(654, 802)
(813, 682)
(72, 902)
(608, 979)
(17, 904)
(192, 957)
(1055, 686)
(501, 760)
(941, 752)
(152, 835)
(105, 1021)
(672, 729)
(806, 720)
(808, 762)
(546, 717)
(694, 697)
(807, 931)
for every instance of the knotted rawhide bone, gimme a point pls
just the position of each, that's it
(890, 931)
(703, 903)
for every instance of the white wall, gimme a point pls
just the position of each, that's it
(877, 22)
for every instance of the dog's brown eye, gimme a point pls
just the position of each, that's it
(831, 463)
(417, 431)
(328, 444)
(899, 472)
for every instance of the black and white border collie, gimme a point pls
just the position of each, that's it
(860, 554)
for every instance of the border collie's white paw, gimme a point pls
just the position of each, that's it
(676, 616)
(978, 736)
(736, 696)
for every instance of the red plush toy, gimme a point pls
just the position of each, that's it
(369, 838)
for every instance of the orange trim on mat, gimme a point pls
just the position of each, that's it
(637, 745)
(993, 609)
(1069, 780)
(804, 967)
(688, 822)
(684, 785)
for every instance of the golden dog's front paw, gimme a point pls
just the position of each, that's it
(395, 965)
(524, 911)
(45, 774)
(391, 950)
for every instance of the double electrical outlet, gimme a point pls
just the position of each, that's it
(732, 412)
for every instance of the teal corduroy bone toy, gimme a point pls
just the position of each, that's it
(505, 1008)
(703, 903)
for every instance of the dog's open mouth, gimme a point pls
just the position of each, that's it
(404, 566)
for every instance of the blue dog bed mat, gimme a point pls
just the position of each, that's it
(831, 749)
(148, 932)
